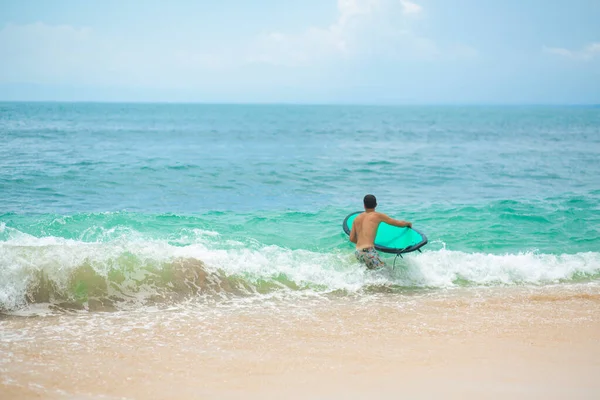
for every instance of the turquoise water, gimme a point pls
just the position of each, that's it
(103, 200)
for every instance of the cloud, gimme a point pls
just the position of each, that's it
(364, 29)
(587, 53)
(410, 8)
(64, 54)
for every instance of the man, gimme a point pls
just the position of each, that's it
(364, 229)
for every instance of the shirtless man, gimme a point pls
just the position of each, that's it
(364, 229)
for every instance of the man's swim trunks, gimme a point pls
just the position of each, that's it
(370, 257)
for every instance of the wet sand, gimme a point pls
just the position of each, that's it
(484, 343)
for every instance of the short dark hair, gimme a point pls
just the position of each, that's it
(370, 201)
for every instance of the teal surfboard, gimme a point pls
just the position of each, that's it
(391, 239)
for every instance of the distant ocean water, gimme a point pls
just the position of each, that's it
(104, 206)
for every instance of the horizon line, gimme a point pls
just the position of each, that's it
(303, 103)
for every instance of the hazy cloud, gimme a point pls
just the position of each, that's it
(364, 31)
(587, 53)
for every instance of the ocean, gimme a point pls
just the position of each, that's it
(115, 214)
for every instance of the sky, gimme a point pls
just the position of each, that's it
(302, 51)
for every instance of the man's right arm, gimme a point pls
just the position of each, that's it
(395, 222)
(353, 237)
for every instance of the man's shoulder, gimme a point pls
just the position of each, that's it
(380, 216)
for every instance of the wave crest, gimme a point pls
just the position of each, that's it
(132, 271)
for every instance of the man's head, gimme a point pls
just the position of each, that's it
(370, 202)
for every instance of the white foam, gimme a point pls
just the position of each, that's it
(23, 256)
(444, 268)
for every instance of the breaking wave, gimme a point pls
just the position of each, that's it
(130, 270)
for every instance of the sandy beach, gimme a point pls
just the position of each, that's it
(476, 343)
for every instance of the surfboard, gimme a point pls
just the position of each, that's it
(391, 239)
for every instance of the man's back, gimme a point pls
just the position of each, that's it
(366, 225)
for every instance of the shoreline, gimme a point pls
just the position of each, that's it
(490, 343)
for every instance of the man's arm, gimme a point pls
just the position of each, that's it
(353, 237)
(395, 222)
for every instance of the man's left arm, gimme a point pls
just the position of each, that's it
(395, 222)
